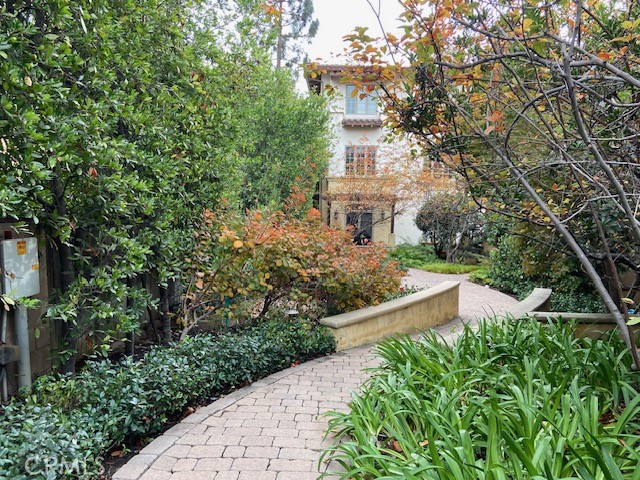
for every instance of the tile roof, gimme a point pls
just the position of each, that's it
(337, 69)
(330, 67)
(362, 122)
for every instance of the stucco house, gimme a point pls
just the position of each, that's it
(361, 189)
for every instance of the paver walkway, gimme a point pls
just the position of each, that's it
(273, 429)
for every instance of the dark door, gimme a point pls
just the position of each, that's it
(362, 224)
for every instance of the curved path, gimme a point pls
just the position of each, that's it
(273, 429)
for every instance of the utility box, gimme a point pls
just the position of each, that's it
(8, 354)
(20, 267)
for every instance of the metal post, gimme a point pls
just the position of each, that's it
(3, 370)
(22, 340)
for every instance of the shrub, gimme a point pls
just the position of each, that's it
(481, 276)
(452, 222)
(261, 259)
(405, 292)
(519, 265)
(515, 400)
(413, 256)
(76, 419)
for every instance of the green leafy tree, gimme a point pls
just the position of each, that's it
(107, 130)
(286, 143)
(120, 122)
(452, 222)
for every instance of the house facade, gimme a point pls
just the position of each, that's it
(361, 188)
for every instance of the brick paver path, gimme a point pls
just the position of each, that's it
(274, 428)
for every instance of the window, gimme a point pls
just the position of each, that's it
(361, 106)
(360, 160)
(362, 225)
(437, 168)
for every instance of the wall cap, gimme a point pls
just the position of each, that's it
(537, 301)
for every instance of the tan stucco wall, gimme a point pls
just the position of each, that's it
(588, 325)
(410, 314)
(338, 209)
(537, 301)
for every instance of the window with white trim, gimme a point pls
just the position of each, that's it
(361, 102)
(360, 159)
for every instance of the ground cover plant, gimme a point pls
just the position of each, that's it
(65, 424)
(514, 400)
(423, 257)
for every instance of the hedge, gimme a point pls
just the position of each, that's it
(64, 425)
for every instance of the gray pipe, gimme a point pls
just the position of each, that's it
(3, 373)
(22, 340)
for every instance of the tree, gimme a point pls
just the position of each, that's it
(294, 24)
(286, 142)
(120, 123)
(451, 221)
(539, 118)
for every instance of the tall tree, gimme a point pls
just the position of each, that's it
(286, 143)
(536, 105)
(294, 25)
(120, 122)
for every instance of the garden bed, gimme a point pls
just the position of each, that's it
(514, 400)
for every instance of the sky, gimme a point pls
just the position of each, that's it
(339, 17)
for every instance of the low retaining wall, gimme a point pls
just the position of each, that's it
(410, 314)
(537, 301)
(588, 325)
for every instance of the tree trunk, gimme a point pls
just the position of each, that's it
(130, 342)
(279, 28)
(449, 257)
(66, 278)
(164, 315)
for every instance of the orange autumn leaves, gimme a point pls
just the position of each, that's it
(243, 265)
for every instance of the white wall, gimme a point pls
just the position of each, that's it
(351, 136)
(405, 229)
(346, 136)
